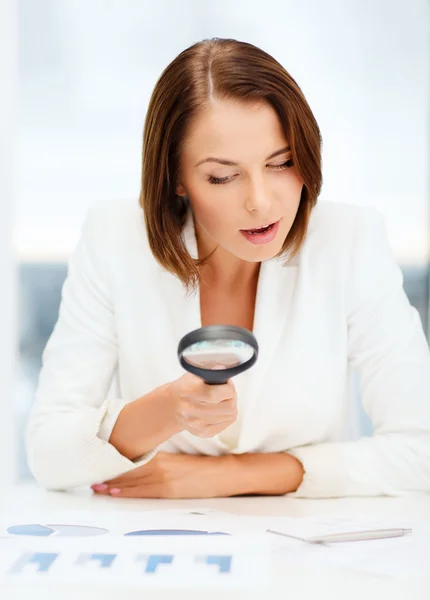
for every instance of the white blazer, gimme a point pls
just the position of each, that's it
(339, 304)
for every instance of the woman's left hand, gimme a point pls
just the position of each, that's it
(169, 476)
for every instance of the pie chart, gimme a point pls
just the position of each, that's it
(174, 532)
(37, 530)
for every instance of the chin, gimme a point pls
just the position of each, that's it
(260, 253)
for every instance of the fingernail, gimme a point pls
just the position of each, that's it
(115, 491)
(100, 487)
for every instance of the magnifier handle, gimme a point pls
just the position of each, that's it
(216, 376)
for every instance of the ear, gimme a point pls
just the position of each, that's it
(180, 190)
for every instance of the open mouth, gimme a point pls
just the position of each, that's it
(261, 235)
(259, 230)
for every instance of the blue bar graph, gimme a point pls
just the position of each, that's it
(105, 560)
(223, 562)
(153, 560)
(43, 559)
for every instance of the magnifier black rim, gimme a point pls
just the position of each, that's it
(215, 332)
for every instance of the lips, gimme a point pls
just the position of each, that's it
(262, 234)
(258, 229)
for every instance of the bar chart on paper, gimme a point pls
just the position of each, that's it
(157, 561)
(152, 548)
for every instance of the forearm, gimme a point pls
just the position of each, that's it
(269, 474)
(145, 423)
(382, 465)
(64, 453)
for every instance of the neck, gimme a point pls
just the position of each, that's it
(224, 269)
(228, 274)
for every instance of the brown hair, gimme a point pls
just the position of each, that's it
(229, 69)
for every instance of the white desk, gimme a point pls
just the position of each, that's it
(290, 582)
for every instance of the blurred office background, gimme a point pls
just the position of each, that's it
(86, 71)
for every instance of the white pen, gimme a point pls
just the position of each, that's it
(353, 536)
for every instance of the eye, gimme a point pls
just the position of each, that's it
(285, 165)
(217, 180)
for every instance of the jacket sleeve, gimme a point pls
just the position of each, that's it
(387, 347)
(72, 418)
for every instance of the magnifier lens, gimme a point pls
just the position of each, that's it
(218, 354)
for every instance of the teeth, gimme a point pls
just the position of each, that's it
(255, 229)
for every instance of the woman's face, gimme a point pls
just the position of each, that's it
(237, 171)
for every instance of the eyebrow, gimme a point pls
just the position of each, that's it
(230, 163)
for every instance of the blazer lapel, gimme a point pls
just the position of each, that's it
(183, 308)
(275, 291)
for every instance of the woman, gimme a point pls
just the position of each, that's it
(228, 231)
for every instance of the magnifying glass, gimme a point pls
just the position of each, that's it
(218, 352)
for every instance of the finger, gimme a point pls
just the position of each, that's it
(225, 408)
(211, 413)
(119, 480)
(138, 491)
(130, 480)
(107, 491)
(142, 471)
(210, 430)
(142, 481)
(215, 394)
(114, 488)
(203, 418)
(197, 424)
(99, 490)
(123, 479)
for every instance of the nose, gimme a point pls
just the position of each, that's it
(257, 198)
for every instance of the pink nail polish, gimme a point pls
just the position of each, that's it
(115, 491)
(100, 487)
